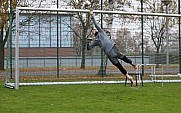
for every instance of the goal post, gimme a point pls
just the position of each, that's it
(45, 50)
(17, 51)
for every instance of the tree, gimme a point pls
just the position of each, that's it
(157, 25)
(82, 27)
(4, 28)
(83, 31)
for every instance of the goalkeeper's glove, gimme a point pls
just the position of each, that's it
(91, 12)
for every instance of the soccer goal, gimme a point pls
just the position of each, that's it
(50, 47)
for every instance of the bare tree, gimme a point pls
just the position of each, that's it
(157, 25)
(82, 27)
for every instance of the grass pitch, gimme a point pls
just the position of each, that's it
(94, 98)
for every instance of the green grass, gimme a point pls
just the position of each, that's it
(97, 98)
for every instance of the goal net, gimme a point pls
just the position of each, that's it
(50, 46)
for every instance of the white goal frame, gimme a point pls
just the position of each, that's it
(18, 9)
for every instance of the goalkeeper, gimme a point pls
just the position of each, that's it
(110, 48)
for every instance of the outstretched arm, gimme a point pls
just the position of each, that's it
(96, 25)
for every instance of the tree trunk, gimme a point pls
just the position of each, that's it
(83, 52)
(1, 56)
(2, 43)
(157, 58)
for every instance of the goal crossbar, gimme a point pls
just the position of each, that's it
(98, 11)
